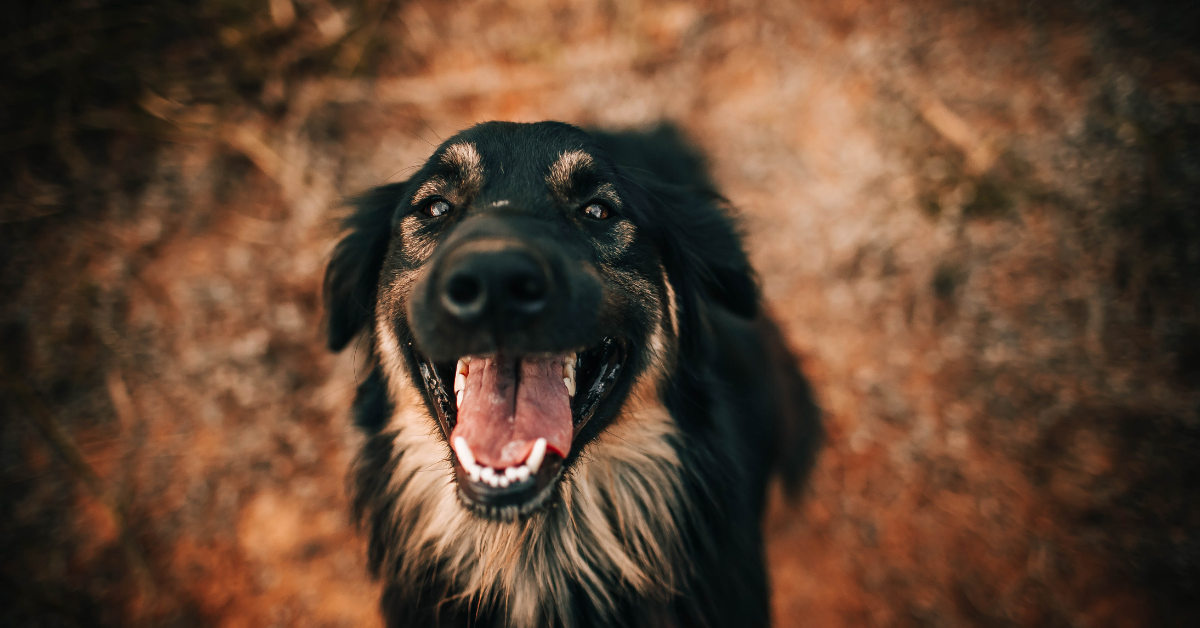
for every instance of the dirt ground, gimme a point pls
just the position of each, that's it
(977, 222)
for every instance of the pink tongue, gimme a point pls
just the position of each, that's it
(503, 413)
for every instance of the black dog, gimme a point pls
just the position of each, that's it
(574, 402)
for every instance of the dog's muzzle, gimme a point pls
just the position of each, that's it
(503, 286)
(506, 324)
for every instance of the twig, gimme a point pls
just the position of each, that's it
(981, 154)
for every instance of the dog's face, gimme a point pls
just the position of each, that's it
(523, 284)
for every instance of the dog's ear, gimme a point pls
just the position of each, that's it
(735, 288)
(702, 248)
(352, 277)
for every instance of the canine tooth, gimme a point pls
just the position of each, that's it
(474, 473)
(461, 367)
(460, 382)
(465, 455)
(460, 396)
(535, 456)
(522, 473)
(569, 376)
(510, 473)
(503, 481)
(487, 474)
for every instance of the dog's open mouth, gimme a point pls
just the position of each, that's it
(511, 421)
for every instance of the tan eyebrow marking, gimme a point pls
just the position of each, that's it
(608, 192)
(568, 164)
(464, 157)
(465, 160)
(433, 187)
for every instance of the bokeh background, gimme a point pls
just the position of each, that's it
(977, 222)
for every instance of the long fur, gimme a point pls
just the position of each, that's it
(614, 528)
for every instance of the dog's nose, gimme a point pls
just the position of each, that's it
(505, 282)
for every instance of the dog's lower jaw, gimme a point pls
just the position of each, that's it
(511, 512)
(613, 518)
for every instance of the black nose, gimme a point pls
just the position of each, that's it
(509, 283)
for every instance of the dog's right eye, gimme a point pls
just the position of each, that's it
(437, 208)
(597, 211)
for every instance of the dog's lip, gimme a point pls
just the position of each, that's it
(516, 499)
(601, 366)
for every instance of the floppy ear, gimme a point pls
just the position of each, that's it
(702, 248)
(352, 277)
(735, 288)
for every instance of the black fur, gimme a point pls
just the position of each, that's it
(353, 274)
(742, 407)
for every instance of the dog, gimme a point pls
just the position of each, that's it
(574, 400)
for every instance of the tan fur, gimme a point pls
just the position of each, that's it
(435, 186)
(608, 192)
(417, 246)
(631, 470)
(616, 520)
(564, 168)
(624, 233)
(465, 157)
(672, 302)
(387, 345)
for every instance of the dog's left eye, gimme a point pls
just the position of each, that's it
(597, 211)
(438, 208)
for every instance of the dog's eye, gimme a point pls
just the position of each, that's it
(438, 208)
(597, 211)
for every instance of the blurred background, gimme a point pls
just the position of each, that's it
(978, 223)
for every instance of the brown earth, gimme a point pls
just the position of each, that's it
(977, 222)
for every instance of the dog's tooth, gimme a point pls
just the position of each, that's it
(536, 456)
(474, 472)
(503, 481)
(460, 382)
(460, 398)
(465, 455)
(522, 473)
(569, 376)
(461, 368)
(487, 474)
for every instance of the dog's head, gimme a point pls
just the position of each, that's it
(523, 282)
